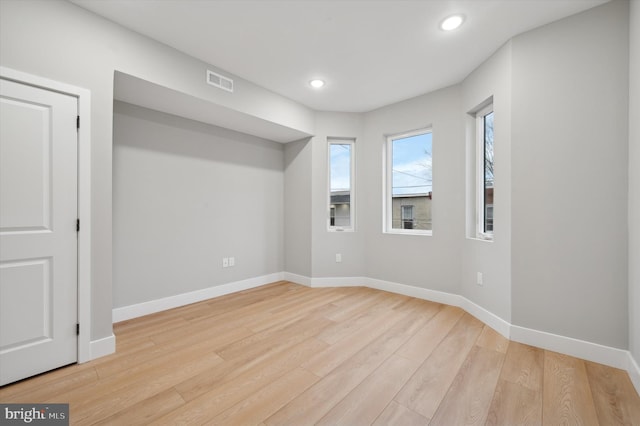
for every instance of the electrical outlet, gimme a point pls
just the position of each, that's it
(338, 257)
(232, 261)
(479, 279)
(225, 262)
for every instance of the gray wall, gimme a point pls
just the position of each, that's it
(569, 149)
(424, 261)
(492, 259)
(60, 41)
(297, 207)
(634, 182)
(185, 195)
(326, 244)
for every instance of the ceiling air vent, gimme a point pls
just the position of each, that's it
(219, 81)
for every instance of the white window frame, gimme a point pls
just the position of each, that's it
(352, 182)
(387, 201)
(480, 173)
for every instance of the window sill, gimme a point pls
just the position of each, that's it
(407, 232)
(339, 229)
(481, 238)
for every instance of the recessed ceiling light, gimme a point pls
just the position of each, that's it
(452, 22)
(316, 84)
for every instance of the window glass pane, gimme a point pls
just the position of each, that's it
(411, 182)
(340, 184)
(488, 173)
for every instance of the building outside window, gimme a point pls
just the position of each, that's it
(341, 184)
(409, 183)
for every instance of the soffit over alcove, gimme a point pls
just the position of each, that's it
(137, 91)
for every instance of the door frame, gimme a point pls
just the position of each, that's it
(84, 196)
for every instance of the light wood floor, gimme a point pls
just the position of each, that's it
(287, 354)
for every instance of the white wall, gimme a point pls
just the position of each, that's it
(634, 181)
(431, 262)
(492, 259)
(569, 176)
(60, 41)
(185, 195)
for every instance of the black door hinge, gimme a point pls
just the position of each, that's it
(77, 225)
(77, 122)
(77, 329)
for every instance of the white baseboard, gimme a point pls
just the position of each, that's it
(103, 347)
(298, 279)
(489, 318)
(339, 282)
(153, 306)
(412, 291)
(595, 352)
(634, 371)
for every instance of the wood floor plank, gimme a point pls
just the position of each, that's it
(491, 339)
(468, 399)
(213, 339)
(356, 304)
(613, 394)
(224, 395)
(349, 321)
(381, 358)
(46, 390)
(365, 403)
(288, 333)
(146, 411)
(524, 365)
(316, 401)
(420, 346)
(267, 400)
(428, 386)
(324, 362)
(197, 386)
(514, 404)
(295, 311)
(518, 396)
(396, 414)
(566, 395)
(105, 400)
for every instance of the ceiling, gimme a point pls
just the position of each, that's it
(370, 53)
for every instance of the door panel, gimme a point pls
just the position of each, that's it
(38, 239)
(25, 159)
(25, 297)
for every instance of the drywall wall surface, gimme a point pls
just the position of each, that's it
(185, 196)
(491, 80)
(634, 180)
(326, 244)
(63, 42)
(431, 262)
(569, 176)
(297, 207)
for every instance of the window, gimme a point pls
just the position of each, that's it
(485, 169)
(341, 185)
(407, 217)
(409, 183)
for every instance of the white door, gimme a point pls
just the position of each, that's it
(38, 238)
